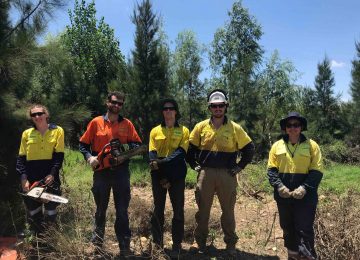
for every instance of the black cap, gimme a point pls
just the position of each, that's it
(294, 115)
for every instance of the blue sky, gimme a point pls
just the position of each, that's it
(303, 31)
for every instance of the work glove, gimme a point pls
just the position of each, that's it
(299, 192)
(235, 170)
(154, 164)
(197, 168)
(93, 161)
(284, 192)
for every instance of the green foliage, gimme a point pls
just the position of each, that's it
(278, 96)
(235, 54)
(148, 70)
(355, 94)
(325, 116)
(188, 88)
(94, 51)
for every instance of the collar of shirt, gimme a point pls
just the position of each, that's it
(106, 118)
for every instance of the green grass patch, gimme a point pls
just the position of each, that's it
(339, 178)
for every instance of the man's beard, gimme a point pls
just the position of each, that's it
(113, 110)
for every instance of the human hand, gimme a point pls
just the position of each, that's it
(49, 179)
(93, 161)
(235, 170)
(299, 192)
(154, 164)
(25, 185)
(284, 192)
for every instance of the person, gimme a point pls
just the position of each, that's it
(168, 145)
(100, 131)
(41, 155)
(213, 151)
(295, 171)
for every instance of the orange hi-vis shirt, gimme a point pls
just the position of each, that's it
(100, 131)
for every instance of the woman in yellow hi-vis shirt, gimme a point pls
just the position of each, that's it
(295, 171)
(41, 155)
(168, 145)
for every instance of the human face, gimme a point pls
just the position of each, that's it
(115, 105)
(293, 127)
(217, 109)
(169, 111)
(38, 115)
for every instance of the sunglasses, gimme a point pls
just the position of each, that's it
(217, 105)
(295, 125)
(37, 114)
(114, 102)
(168, 108)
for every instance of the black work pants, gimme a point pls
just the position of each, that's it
(176, 193)
(297, 221)
(119, 181)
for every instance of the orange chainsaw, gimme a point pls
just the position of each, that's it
(114, 153)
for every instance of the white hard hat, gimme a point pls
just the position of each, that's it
(217, 97)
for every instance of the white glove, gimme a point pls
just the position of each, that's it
(299, 192)
(284, 192)
(93, 161)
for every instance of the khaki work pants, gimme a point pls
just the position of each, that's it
(209, 182)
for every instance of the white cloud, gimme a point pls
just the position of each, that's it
(336, 64)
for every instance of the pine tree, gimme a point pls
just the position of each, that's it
(148, 70)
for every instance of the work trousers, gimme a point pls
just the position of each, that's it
(209, 182)
(297, 221)
(119, 181)
(176, 194)
(40, 214)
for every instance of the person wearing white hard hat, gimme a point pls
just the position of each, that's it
(214, 147)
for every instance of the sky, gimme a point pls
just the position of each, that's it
(303, 31)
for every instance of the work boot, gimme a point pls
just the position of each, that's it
(293, 255)
(231, 251)
(125, 250)
(198, 248)
(176, 250)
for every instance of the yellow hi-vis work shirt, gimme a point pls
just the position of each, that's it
(37, 147)
(165, 140)
(295, 165)
(295, 159)
(41, 155)
(218, 147)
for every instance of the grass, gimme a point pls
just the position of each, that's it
(340, 178)
(337, 178)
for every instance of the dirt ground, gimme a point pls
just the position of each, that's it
(257, 226)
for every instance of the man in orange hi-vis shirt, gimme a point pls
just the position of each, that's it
(100, 131)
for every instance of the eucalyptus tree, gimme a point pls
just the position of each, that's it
(147, 69)
(278, 95)
(187, 67)
(234, 57)
(95, 52)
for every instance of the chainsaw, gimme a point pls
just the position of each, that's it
(38, 192)
(115, 153)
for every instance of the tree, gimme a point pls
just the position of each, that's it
(278, 96)
(186, 70)
(355, 94)
(327, 107)
(17, 41)
(234, 56)
(148, 70)
(95, 52)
